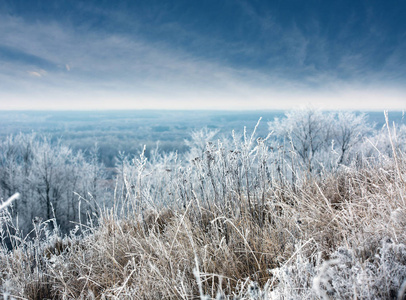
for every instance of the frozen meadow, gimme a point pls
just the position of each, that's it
(313, 209)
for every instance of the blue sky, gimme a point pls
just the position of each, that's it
(222, 54)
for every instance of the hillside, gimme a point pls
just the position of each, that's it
(307, 212)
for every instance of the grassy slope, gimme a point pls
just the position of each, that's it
(339, 235)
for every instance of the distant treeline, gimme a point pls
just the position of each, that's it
(129, 131)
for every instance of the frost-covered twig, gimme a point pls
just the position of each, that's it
(9, 201)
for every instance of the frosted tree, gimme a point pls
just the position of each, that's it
(307, 132)
(349, 130)
(50, 177)
(318, 138)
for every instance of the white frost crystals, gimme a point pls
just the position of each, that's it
(9, 201)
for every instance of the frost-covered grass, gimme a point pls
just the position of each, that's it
(233, 219)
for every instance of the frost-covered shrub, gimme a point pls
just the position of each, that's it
(384, 141)
(345, 275)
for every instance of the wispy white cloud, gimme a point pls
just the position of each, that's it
(109, 70)
(39, 73)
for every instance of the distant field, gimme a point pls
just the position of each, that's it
(128, 131)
